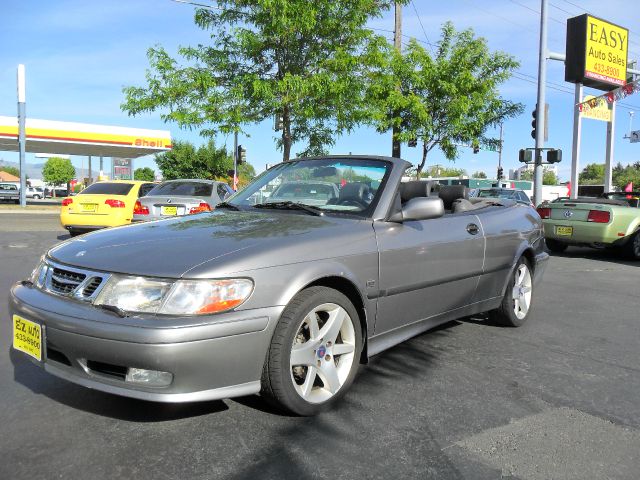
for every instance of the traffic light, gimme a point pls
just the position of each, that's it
(554, 156)
(413, 142)
(476, 147)
(500, 172)
(278, 122)
(534, 124)
(241, 155)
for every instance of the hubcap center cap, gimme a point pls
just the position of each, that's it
(322, 351)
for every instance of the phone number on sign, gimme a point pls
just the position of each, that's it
(606, 69)
(28, 340)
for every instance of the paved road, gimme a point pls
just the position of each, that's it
(558, 398)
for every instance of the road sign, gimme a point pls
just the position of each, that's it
(634, 137)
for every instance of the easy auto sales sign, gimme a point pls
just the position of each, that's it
(596, 52)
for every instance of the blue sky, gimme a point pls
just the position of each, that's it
(79, 54)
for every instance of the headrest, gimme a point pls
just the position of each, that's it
(450, 193)
(353, 190)
(413, 189)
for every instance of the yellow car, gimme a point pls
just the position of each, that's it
(103, 204)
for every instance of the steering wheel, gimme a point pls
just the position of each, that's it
(352, 202)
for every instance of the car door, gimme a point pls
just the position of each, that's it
(427, 267)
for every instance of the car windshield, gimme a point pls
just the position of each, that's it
(339, 185)
(183, 189)
(496, 193)
(107, 188)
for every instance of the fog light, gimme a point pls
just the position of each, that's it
(153, 378)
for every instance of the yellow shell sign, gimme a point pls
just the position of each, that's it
(607, 47)
(596, 53)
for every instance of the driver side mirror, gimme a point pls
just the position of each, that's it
(420, 208)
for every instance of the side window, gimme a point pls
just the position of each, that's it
(222, 192)
(145, 188)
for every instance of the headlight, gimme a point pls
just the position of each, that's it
(199, 297)
(39, 274)
(182, 297)
(134, 294)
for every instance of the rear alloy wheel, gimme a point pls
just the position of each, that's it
(632, 247)
(555, 246)
(516, 304)
(314, 353)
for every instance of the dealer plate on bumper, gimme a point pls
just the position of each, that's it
(27, 337)
(564, 231)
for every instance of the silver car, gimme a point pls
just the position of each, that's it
(282, 298)
(180, 197)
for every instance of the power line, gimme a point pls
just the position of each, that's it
(421, 25)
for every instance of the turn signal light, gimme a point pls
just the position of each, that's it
(114, 203)
(67, 201)
(140, 209)
(203, 207)
(544, 213)
(599, 216)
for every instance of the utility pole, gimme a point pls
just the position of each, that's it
(397, 43)
(500, 151)
(235, 159)
(22, 137)
(540, 117)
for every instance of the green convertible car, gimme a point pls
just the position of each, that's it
(612, 221)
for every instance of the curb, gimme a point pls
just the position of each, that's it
(18, 211)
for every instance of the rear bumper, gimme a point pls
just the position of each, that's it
(218, 357)
(585, 233)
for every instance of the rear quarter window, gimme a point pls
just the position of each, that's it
(107, 188)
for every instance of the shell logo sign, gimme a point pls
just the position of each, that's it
(83, 139)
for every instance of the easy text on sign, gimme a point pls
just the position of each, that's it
(597, 52)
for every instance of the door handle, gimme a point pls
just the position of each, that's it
(473, 229)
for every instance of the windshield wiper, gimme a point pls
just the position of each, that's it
(230, 206)
(292, 206)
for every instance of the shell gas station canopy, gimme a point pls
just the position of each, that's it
(70, 138)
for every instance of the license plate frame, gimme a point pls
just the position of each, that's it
(564, 231)
(165, 209)
(28, 337)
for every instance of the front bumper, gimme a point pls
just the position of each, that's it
(210, 358)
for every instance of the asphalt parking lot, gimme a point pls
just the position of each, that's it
(558, 398)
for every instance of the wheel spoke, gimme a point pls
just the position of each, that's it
(524, 307)
(303, 354)
(526, 289)
(305, 388)
(329, 375)
(343, 348)
(312, 321)
(333, 325)
(515, 293)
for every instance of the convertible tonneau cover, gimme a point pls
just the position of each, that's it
(600, 200)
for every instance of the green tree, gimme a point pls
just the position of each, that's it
(592, 174)
(10, 170)
(58, 171)
(548, 177)
(299, 60)
(479, 174)
(184, 160)
(444, 100)
(622, 176)
(144, 173)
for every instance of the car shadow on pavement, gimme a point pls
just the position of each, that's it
(64, 236)
(104, 404)
(377, 415)
(598, 255)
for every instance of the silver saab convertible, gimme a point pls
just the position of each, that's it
(285, 298)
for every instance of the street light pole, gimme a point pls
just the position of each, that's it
(22, 137)
(540, 117)
(397, 43)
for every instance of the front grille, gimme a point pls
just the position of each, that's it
(74, 282)
(107, 369)
(65, 281)
(91, 287)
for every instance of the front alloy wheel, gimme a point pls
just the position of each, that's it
(314, 352)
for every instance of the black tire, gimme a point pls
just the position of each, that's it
(555, 246)
(505, 314)
(278, 375)
(632, 248)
